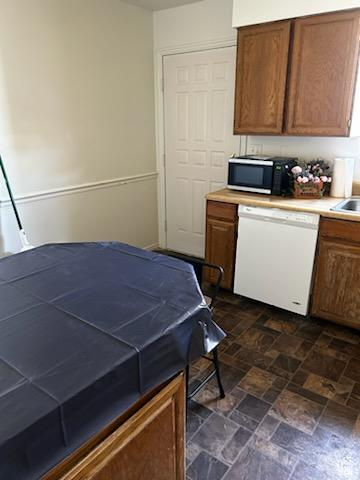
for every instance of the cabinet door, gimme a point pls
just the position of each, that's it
(337, 283)
(323, 74)
(150, 445)
(262, 59)
(220, 249)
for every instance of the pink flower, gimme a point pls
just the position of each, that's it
(324, 178)
(297, 169)
(311, 176)
(316, 180)
(299, 179)
(329, 179)
(305, 180)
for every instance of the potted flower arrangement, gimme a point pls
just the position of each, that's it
(312, 180)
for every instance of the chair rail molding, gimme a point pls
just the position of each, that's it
(81, 188)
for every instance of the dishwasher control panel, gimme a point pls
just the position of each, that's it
(279, 215)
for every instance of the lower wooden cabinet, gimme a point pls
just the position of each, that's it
(148, 445)
(336, 293)
(221, 235)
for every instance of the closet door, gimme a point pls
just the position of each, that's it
(262, 59)
(323, 74)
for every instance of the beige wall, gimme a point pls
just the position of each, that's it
(77, 97)
(203, 21)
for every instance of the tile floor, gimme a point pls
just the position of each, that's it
(293, 399)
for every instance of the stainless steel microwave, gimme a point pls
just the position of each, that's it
(260, 174)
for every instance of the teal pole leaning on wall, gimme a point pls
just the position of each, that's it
(25, 245)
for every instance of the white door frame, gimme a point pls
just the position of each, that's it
(159, 115)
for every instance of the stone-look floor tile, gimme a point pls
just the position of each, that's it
(232, 349)
(209, 398)
(192, 451)
(253, 358)
(244, 421)
(228, 322)
(353, 403)
(305, 472)
(252, 465)
(338, 391)
(233, 361)
(355, 392)
(198, 409)
(282, 325)
(193, 423)
(323, 450)
(256, 339)
(257, 381)
(345, 347)
(292, 439)
(355, 434)
(324, 340)
(324, 366)
(353, 370)
(253, 407)
(310, 332)
(235, 445)
(340, 419)
(238, 393)
(297, 411)
(230, 377)
(273, 451)
(206, 467)
(214, 433)
(284, 366)
(271, 395)
(287, 344)
(280, 383)
(302, 352)
(267, 427)
(331, 352)
(300, 377)
(310, 395)
(201, 364)
(342, 333)
(333, 446)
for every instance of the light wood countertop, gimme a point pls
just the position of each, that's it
(321, 206)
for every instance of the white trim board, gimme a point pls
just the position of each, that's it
(85, 187)
(159, 55)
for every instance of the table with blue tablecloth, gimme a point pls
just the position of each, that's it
(86, 329)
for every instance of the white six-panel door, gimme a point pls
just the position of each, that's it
(199, 105)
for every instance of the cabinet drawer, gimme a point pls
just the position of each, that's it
(223, 211)
(345, 230)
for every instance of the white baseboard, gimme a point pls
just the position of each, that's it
(154, 246)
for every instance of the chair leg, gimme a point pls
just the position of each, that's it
(217, 371)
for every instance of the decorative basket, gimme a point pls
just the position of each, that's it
(308, 190)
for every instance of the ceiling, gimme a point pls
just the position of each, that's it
(159, 4)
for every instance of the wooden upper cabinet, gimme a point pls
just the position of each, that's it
(262, 60)
(323, 74)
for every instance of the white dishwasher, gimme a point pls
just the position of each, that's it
(275, 256)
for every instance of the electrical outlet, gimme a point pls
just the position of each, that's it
(255, 149)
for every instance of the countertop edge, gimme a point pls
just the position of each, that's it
(285, 203)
